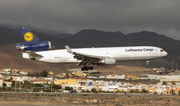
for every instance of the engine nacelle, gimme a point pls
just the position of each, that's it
(34, 46)
(108, 61)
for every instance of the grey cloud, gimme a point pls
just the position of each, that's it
(71, 16)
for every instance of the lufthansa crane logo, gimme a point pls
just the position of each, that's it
(28, 36)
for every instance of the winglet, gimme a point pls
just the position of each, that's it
(68, 49)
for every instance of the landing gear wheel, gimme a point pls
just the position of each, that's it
(82, 69)
(86, 68)
(91, 68)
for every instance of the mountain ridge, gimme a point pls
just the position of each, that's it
(94, 38)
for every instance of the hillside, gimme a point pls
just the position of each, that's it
(85, 38)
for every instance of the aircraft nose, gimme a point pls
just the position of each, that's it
(165, 54)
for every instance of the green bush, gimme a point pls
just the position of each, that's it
(144, 91)
(47, 90)
(93, 90)
(68, 88)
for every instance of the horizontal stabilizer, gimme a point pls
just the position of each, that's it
(30, 53)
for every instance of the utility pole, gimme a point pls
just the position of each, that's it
(176, 66)
(51, 82)
(171, 97)
(15, 86)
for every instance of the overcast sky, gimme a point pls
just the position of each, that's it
(71, 16)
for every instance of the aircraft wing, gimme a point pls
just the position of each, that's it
(84, 57)
(81, 54)
(30, 53)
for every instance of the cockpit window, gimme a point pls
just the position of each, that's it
(162, 50)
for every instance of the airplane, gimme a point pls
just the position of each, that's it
(34, 49)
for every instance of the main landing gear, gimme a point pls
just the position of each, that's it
(87, 68)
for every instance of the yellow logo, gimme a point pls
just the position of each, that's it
(28, 36)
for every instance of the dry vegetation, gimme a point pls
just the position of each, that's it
(93, 99)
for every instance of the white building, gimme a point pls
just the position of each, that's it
(114, 77)
(87, 88)
(93, 77)
(22, 79)
(158, 77)
(8, 83)
(1, 82)
(4, 72)
(15, 71)
(7, 70)
(23, 73)
(40, 81)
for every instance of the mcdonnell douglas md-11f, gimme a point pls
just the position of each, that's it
(36, 50)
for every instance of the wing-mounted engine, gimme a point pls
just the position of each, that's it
(107, 61)
(34, 46)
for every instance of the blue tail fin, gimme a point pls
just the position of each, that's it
(28, 36)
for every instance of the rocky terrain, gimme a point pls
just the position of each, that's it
(88, 100)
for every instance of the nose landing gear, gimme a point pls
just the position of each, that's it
(147, 64)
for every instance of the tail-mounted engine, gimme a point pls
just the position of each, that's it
(34, 46)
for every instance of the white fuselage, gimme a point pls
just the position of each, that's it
(134, 53)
